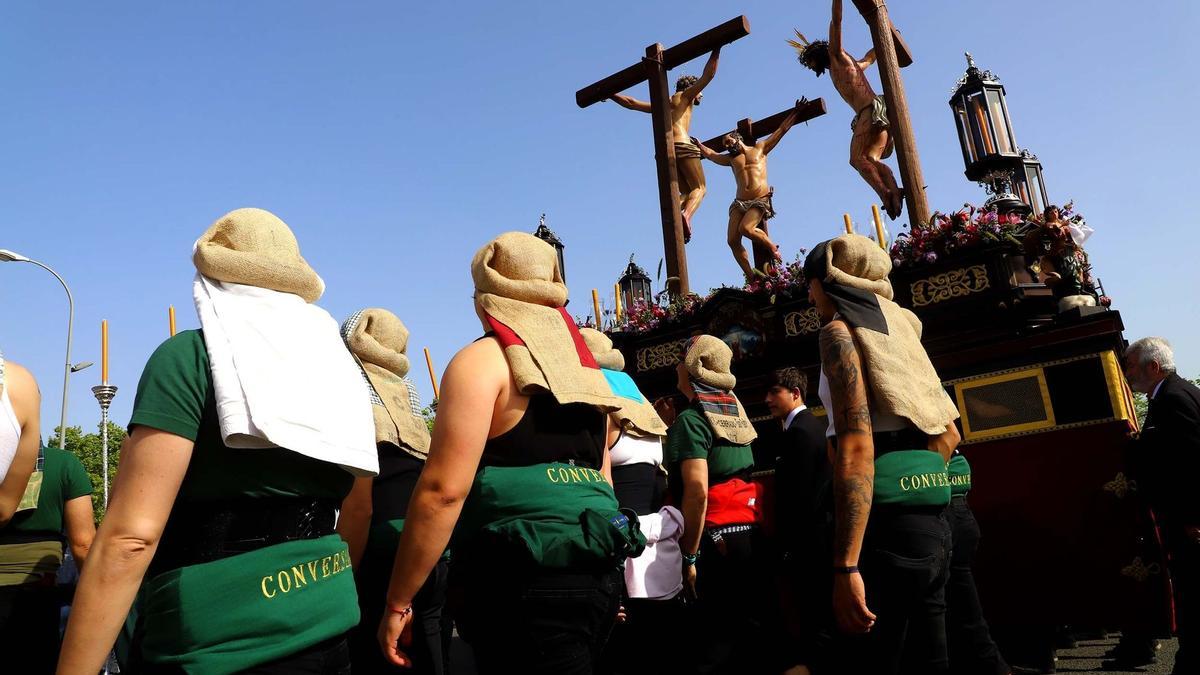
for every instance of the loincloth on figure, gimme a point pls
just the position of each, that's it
(688, 149)
(878, 112)
(741, 206)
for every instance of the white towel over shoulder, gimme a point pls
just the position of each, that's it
(657, 573)
(283, 377)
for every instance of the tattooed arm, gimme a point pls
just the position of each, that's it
(853, 471)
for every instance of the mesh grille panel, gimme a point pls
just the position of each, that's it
(1004, 404)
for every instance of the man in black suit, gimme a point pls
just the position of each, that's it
(802, 517)
(1166, 463)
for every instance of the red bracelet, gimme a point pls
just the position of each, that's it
(402, 612)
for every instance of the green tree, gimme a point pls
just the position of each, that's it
(89, 448)
(429, 412)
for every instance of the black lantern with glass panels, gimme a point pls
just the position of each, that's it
(984, 128)
(986, 136)
(547, 235)
(1028, 183)
(634, 285)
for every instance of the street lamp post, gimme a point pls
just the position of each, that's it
(10, 256)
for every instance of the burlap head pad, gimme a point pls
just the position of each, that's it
(520, 288)
(378, 340)
(255, 248)
(901, 378)
(637, 416)
(601, 347)
(707, 361)
(858, 262)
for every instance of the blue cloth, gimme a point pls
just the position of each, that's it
(622, 385)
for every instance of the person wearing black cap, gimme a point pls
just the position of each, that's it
(893, 430)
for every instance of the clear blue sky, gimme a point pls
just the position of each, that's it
(396, 138)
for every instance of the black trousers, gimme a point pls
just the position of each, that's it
(646, 643)
(905, 565)
(548, 623)
(430, 648)
(726, 626)
(1183, 553)
(972, 650)
(330, 657)
(29, 617)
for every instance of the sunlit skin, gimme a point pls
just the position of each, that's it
(689, 170)
(749, 165)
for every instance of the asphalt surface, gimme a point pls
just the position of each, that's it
(1084, 659)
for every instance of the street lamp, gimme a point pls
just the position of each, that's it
(10, 256)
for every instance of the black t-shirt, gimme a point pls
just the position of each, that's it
(550, 432)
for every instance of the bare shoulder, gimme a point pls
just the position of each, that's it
(481, 360)
(23, 391)
(19, 382)
(837, 345)
(835, 330)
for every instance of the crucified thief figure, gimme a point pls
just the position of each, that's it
(688, 166)
(751, 207)
(871, 142)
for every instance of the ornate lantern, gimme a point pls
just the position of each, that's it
(984, 128)
(547, 235)
(634, 285)
(1028, 183)
(985, 133)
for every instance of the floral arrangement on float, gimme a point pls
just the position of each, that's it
(965, 229)
(785, 281)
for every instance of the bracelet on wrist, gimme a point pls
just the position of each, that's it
(403, 612)
(849, 569)
(689, 559)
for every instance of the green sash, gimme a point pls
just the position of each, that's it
(28, 563)
(912, 478)
(553, 515)
(959, 472)
(239, 612)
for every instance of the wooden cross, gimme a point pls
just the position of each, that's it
(751, 131)
(892, 54)
(653, 69)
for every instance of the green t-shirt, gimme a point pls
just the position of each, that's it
(176, 395)
(690, 437)
(63, 479)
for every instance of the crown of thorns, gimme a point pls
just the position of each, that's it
(806, 51)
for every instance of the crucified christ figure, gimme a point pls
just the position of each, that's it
(751, 207)
(871, 142)
(688, 166)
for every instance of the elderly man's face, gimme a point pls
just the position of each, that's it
(1142, 376)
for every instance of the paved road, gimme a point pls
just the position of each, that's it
(1083, 660)
(1087, 656)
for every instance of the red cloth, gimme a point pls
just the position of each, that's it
(734, 502)
(508, 337)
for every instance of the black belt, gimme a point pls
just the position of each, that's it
(202, 532)
(904, 439)
(29, 537)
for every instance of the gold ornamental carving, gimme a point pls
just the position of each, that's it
(660, 355)
(1120, 485)
(953, 284)
(802, 323)
(1140, 571)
